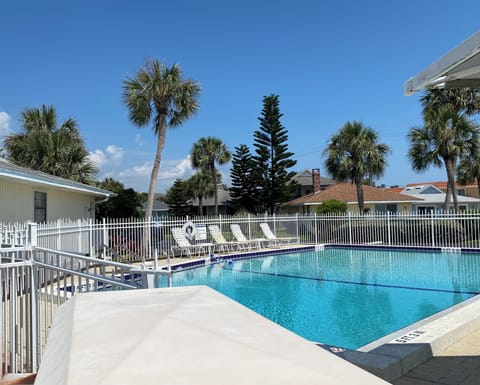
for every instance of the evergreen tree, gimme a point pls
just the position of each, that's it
(126, 204)
(273, 159)
(178, 198)
(243, 192)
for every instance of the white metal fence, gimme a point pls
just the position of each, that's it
(43, 266)
(128, 240)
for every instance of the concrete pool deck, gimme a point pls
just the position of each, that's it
(184, 335)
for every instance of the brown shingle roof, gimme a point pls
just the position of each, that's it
(347, 192)
(441, 185)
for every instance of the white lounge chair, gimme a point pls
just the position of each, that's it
(273, 238)
(240, 237)
(184, 245)
(220, 241)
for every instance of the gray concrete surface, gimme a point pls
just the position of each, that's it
(187, 335)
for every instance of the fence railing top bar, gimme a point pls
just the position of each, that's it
(86, 258)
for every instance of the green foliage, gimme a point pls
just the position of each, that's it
(272, 160)
(201, 185)
(127, 203)
(243, 191)
(45, 146)
(160, 95)
(332, 206)
(177, 198)
(354, 154)
(205, 154)
(445, 137)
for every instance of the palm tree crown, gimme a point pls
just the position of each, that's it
(159, 94)
(353, 154)
(205, 154)
(446, 137)
(45, 146)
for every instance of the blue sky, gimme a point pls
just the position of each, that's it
(329, 61)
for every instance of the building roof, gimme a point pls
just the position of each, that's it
(19, 174)
(223, 199)
(347, 192)
(441, 184)
(304, 178)
(432, 194)
(458, 68)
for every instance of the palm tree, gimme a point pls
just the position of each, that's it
(45, 146)
(353, 154)
(205, 154)
(446, 137)
(461, 100)
(159, 94)
(469, 170)
(201, 185)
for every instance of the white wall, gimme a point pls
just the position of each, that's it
(16, 203)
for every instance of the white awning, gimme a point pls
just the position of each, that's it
(458, 68)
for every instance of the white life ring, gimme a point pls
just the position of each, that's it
(189, 229)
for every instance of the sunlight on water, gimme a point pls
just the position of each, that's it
(344, 297)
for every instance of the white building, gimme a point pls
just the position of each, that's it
(30, 195)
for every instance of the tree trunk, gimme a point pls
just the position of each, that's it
(161, 130)
(215, 192)
(450, 167)
(200, 206)
(360, 200)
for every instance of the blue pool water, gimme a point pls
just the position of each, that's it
(344, 297)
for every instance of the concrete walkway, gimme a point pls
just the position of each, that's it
(459, 364)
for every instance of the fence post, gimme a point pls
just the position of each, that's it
(432, 228)
(59, 234)
(350, 227)
(105, 240)
(32, 236)
(388, 229)
(315, 227)
(91, 251)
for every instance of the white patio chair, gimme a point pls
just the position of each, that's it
(273, 238)
(221, 242)
(184, 245)
(240, 237)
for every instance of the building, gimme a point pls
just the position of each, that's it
(469, 190)
(433, 199)
(376, 199)
(309, 181)
(208, 203)
(29, 195)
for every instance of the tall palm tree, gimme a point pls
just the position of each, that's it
(159, 94)
(446, 137)
(353, 154)
(45, 146)
(461, 100)
(201, 185)
(205, 154)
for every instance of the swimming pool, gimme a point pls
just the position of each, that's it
(344, 297)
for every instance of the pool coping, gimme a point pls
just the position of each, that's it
(397, 353)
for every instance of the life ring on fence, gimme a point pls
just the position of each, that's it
(190, 230)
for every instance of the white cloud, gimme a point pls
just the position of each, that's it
(138, 177)
(139, 140)
(112, 155)
(4, 123)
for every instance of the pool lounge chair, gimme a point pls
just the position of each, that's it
(221, 242)
(240, 237)
(184, 245)
(273, 238)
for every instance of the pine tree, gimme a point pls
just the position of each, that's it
(273, 159)
(177, 199)
(243, 192)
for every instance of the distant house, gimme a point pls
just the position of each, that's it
(433, 198)
(160, 209)
(376, 199)
(310, 181)
(469, 190)
(224, 204)
(29, 195)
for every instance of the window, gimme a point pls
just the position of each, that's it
(425, 209)
(40, 207)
